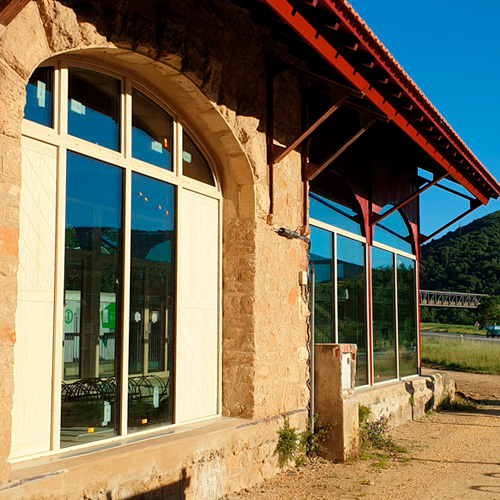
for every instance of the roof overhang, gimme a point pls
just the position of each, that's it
(341, 38)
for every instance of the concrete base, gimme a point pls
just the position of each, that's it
(200, 462)
(405, 400)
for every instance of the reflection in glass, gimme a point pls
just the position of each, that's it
(407, 321)
(351, 292)
(92, 313)
(194, 164)
(39, 97)
(333, 213)
(393, 231)
(322, 259)
(94, 107)
(152, 302)
(384, 334)
(152, 139)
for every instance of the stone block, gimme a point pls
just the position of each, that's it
(11, 103)
(335, 400)
(9, 241)
(23, 45)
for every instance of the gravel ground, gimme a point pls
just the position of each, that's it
(450, 456)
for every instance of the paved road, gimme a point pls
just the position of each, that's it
(478, 338)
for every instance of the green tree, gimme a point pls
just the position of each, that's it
(489, 310)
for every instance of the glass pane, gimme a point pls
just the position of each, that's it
(393, 231)
(407, 321)
(39, 97)
(384, 333)
(152, 304)
(92, 273)
(322, 259)
(351, 290)
(152, 139)
(194, 164)
(94, 107)
(337, 215)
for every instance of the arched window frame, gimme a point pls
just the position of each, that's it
(58, 136)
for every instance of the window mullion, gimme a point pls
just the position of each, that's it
(178, 148)
(63, 100)
(396, 312)
(335, 312)
(59, 300)
(127, 218)
(126, 119)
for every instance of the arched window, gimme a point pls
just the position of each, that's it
(132, 203)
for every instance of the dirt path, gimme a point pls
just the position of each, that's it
(451, 456)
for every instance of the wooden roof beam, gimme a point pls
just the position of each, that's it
(315, 171)
(9, 9)
(311, 129)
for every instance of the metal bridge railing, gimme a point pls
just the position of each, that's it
(435, 298)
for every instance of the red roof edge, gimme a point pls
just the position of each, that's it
(365, 35)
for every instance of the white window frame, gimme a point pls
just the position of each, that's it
(58, 136)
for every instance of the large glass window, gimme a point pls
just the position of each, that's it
(322, 260)
(152, 138)
(94, 107)
(92, 300)
(393, 231)
(152, 301)
(407, 317)
(384, 327)
(351, 300)
(194, 164)
(335, 214)
(130, 314)
(39, 97)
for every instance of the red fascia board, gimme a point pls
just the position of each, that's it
(296, 21)
(353, 22)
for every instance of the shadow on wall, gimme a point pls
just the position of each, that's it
(172, 491)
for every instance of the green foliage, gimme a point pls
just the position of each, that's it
(446, 327)
(489, 310)
(458, 404)
(465, 260)
(448, 315)
(411, 400)
(376, 434)
(462, 355)
(295, 446)
(364, 413)
(287, 446)
(311, 439)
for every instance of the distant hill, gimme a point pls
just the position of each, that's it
(465, 260)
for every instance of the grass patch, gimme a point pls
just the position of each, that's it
(459, 404)
(445, 327)
(465, 356)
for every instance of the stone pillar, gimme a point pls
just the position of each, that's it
(335, 400)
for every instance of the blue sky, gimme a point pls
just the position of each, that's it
(451, 49)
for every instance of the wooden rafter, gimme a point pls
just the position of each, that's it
(9, 9)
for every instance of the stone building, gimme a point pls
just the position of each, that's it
(168, 172)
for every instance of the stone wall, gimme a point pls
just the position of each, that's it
(407, 399)
(217, 85)
(193, 464)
